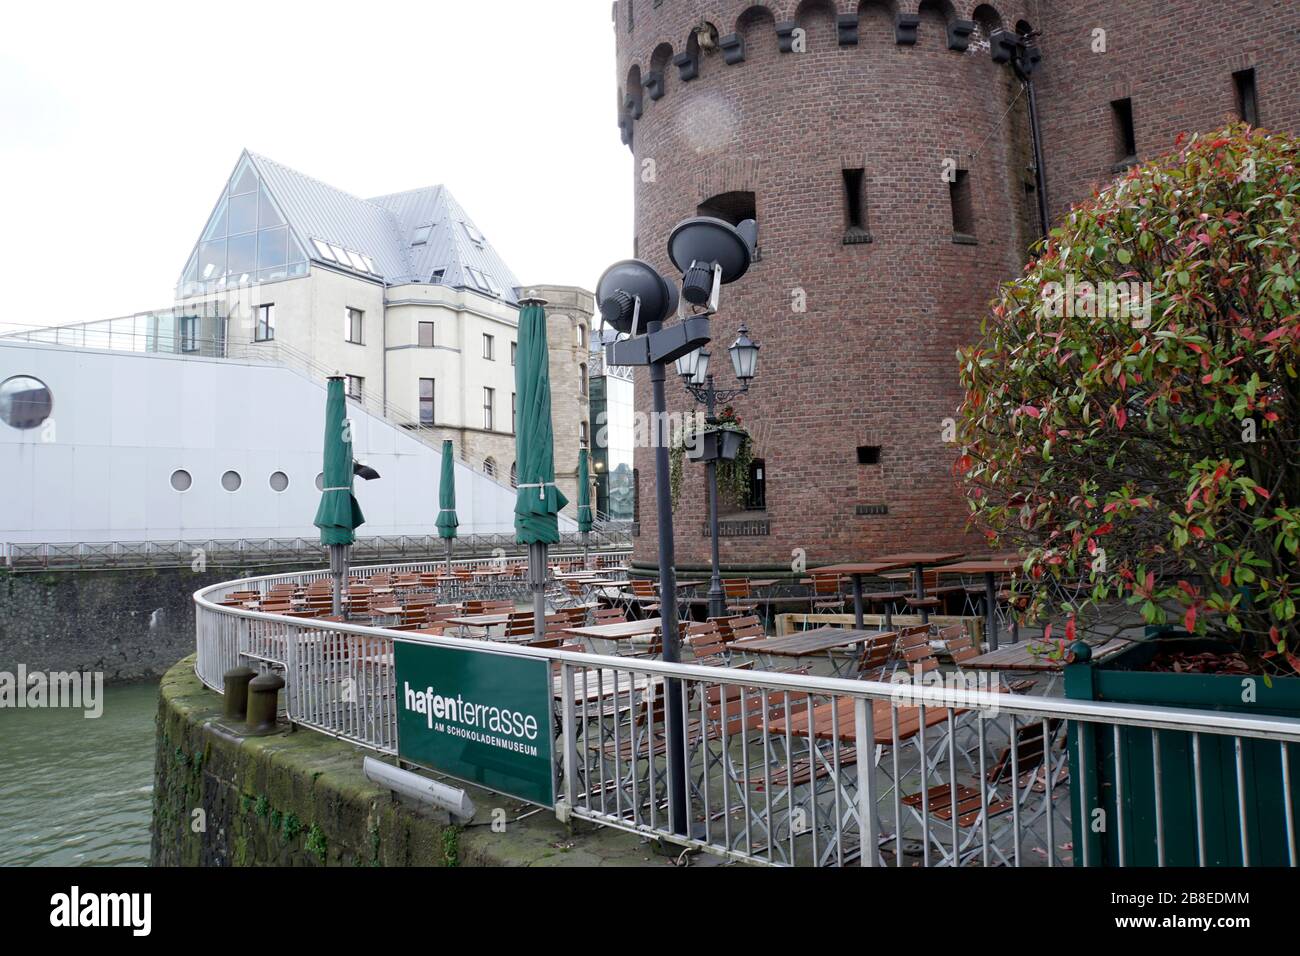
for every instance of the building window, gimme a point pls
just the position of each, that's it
(582, 434)
(582, 336)
(231, 481)
(426, 335)
(189, 333)
(490, 467)
(279, 482)
(353, 326)
(513, 411)
(514, 474)
(636, 494)
(355, 386)
(1125, 138)
(264, 331)
(489, 408)
(489, 347)
(582, 378)
(436, 278)
(181, 480)
(756, 500)
(421, 235)
(426, 401)
(855, 207)
(868, 454)
(1243, 81)
(514, 353)
(963, 210)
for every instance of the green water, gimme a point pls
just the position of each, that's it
(75, 791)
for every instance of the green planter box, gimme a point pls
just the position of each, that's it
(1117, 680)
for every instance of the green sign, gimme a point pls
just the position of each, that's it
(481, 717)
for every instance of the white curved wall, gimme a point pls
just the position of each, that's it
(123, 422)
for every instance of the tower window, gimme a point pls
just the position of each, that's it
(756, 500)
(426, 335)
(868, 454)
(426, 401)
(855, 207)
(1125, 138)
(1243, 81)
(963, 209)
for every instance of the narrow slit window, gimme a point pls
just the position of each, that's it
(1243, 82)
(855, 207)
(963, 210)
(1125, 137)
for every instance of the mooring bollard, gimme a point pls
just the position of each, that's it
(263, 702)
(236, 681)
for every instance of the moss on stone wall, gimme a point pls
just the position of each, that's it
(300, 799)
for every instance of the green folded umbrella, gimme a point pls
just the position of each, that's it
(537, 501)
(584, 494)
(339, 515)
(447, 520)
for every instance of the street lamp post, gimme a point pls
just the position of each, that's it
(636, 301)
(698, 379)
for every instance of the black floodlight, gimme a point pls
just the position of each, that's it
(709, 253)
(631, 292)
(364, 472)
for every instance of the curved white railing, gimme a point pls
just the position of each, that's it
(769, 792)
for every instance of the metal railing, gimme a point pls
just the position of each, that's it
(249, 552)
(775, 769)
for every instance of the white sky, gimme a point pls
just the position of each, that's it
(120, 122)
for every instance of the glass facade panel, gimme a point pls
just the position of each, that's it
(212, 260)
(266, 214)
(245, 180)
(241, 255)
(243, 213)
(272, 247)
(217, 227)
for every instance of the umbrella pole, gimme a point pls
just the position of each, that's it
(449, 557)
(338, 570)
(537, 582)
(586, 544)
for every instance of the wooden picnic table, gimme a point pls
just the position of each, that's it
(481, 620)
(824, 721)
(623, 630)
(990, 567)
(1020, 657)
(822, 640)
(855, 572)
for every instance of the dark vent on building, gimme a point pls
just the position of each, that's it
(868, 454)
(871, 510)
(1243, 81)
(1125, 137)
(855, 207)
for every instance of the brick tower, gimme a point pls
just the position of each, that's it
(885, 156)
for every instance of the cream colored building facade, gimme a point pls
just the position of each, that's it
(402, 295)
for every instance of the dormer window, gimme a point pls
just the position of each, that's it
(421, 235)
(475, 236)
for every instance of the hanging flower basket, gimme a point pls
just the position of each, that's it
(717, 444)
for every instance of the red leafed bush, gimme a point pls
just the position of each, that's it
(1132, 414)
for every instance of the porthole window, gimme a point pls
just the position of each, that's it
(320, 481)
(279, 481)
(25, 401)
(181, 480)
(231, 481)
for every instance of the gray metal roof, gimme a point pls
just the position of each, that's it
(384, 229)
